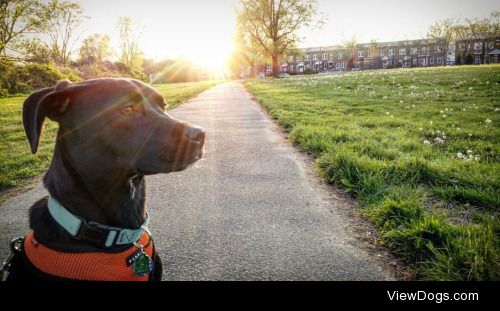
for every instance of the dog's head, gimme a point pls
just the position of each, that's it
(118, 119)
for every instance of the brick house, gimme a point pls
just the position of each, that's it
(317, 59)
(373, 55)
(479, 50)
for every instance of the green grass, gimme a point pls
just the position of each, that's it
(16, 161)
(177, 93)
(419, 149)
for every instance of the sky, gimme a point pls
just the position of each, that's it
(202, 29)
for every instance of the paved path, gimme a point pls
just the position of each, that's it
(247, 211)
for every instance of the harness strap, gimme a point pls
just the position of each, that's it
(86, 266)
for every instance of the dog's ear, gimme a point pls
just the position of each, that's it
(48, 102)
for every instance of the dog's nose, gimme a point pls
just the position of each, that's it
(196, 133)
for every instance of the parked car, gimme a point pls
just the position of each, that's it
(283, 75)
(260, 75)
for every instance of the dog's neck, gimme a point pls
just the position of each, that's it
(106, 196)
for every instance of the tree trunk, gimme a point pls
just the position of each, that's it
(276, 66)
(252, 69)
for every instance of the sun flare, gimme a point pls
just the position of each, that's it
(213, 59)
(204, 37)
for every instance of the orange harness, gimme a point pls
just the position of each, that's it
(86, 266)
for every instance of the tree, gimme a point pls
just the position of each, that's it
(246, 52)
(444, 33)
(374, 55)
(94, 49)
(34, 51)
(464, 36)
(350, 45)
(273, 24)
(20, 17)
(488, 30)
(64, 18)
(129, 42)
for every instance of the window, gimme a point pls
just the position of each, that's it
(478, 46)
(324, 56)
(315, 56)
(298, 58)
(340, 65)
(424, 50)
(414, 62)
(268, 68)
(290, 58)
(331, 56)
(391, 52)
(402, 51)
(381, 53)
(340, 56)
(361, 54)
(440, 60)
(431, 61)
(414, 51)
(437, 49)
(308, 57)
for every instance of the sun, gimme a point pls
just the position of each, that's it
(213, 59)
(208, 49)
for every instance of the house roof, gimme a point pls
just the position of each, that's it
(495, 52)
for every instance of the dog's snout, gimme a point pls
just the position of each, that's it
(195, 133)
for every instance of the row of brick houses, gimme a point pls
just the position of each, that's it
(380, 55)
(478, 51)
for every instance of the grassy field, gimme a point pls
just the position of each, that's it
(16, 161)
(419, 149)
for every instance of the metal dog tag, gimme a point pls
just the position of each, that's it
(143, 265)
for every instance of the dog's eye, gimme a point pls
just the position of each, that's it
(127, 111)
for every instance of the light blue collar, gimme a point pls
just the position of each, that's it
(77, 227)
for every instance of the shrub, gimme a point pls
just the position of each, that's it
(71, 74)
(42, 75)
(24, 78)
(308, 72)
(4, 92)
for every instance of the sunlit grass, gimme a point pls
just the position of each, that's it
(16, 161)
(177, 93)
(419, 148)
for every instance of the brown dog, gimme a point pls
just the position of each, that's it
(111, 133)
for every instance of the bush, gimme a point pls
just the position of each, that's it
(42, 75)
(308, 72)
(108, 69)
(24, 78)
(71, 74)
